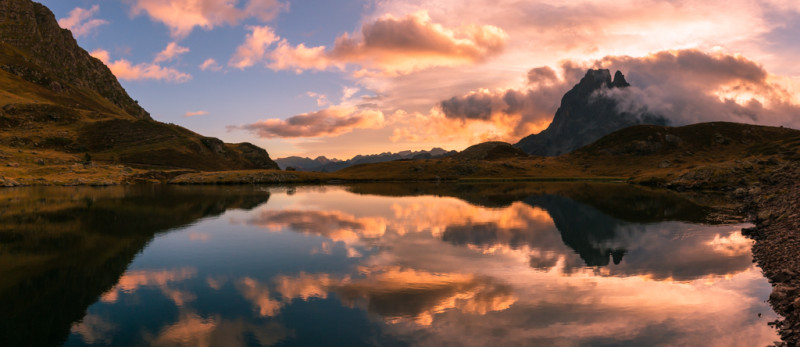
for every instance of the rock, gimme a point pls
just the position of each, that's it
(39, 161)
(783, 276)
(12, 164)
(664, 164)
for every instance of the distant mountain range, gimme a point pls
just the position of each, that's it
(586, 115)
(323, 164)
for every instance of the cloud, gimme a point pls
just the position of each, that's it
(80, 21)
(387, 45)
(195, 113)
(332, 121)
(690, 86)
(254, 48)
(210, 64)
(182, 16)
(125, 70)
(170, 52)
(321, 99)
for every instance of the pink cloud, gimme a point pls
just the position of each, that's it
(328, 122)
(195, 113)
(210, 64)
(170, 52)
(254, 48)
(80, 21)
(182, 16)
(388, 45)
(125, 70)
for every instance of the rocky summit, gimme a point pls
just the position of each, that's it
(59, 106)
(584, 116)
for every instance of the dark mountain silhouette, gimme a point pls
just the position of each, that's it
(323, 164)
(584, 116)
(58, 97)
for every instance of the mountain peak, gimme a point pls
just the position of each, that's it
(584, 116)
(619, 80)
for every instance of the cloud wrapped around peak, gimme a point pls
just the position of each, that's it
(388, 45)
(182, 16)
(685, 86)
(328, 122)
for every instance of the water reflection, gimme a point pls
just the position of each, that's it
(529, 264)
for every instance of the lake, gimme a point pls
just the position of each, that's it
(551, 264)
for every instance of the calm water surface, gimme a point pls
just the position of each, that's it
(523, 264)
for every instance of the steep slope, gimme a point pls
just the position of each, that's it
(58, 102)
(584, 116)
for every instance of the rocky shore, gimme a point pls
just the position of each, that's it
(775, 210)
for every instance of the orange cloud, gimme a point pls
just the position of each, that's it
(195, 113)
(400, 294)
(125, 70)
(254, 48)
(80, 21)
(170, 52)
(328, 122)
(388, 45)
(182, 16)
(133, 280)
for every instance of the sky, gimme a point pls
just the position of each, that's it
(347, 77)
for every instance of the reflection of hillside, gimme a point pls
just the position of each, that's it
(622, 201)
(61, 248)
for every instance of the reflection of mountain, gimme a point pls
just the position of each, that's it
(61, 248)
(602, 223)
(583, 228)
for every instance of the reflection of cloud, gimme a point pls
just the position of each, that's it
(94, 330)
(195, 236)
(190, 330)
(131, 281)
(260, 296)
(193, 330)
(734, 244)
(334, 225)
(394, 293)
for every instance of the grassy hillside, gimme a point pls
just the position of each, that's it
(57, 104)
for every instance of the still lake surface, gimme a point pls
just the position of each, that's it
(555, 264)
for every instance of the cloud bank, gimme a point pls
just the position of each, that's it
(388, 45)
(328, 122)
